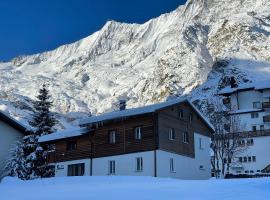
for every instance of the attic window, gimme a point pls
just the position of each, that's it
(181, 114)
(190, 117)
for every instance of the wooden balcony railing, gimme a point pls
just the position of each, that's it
(59, 156)
(266, 105)
(266, 118)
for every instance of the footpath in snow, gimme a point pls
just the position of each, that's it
(133, 188)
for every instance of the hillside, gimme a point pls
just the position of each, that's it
(190, 51)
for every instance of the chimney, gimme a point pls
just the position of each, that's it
(233, 82)
(122, 104)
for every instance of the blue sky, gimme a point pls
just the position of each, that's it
(32, 26)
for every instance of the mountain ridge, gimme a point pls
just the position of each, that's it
(189, 51)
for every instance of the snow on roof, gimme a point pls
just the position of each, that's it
(131, 112)
(139, 111)
(14, 122)
(259, 85)
(71, 132)
(241, 111)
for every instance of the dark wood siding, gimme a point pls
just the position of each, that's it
(169, 118)
(125, 137)
(125, 140)
(61, 153)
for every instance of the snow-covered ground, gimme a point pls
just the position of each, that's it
(137, 188)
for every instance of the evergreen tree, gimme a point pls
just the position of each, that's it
(16, 166)
(29, 158)
(43, 120)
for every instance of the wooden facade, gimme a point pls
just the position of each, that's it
(154, 135)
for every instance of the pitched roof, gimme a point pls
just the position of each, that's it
(258, 85)
(68, 133)
(14, 123)
(142, 110)
(74, 132)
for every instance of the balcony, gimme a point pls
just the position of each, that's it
(266, 105)
(266, 118)
(250, 134)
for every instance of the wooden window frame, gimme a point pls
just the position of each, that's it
(136, 134)
(172, 134)
(172, 165)
(139, 164)
(110, 140)
(111, 169)
(185, 137)
(181, 114)
(77, 169)
(72, 147)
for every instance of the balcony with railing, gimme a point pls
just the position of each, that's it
(266, 118)
(60, 156)
(266, 105)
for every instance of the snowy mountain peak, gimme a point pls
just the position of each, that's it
(146, 63)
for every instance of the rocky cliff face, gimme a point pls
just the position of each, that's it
(191, 51)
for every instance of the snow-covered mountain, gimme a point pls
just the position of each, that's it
(192, 50)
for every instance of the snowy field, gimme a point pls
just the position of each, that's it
(133, 188)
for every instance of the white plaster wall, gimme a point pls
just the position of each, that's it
(8, 137)
(125, 164)
(247, 98)
(260, 149)
(186, 167)
(61, 168)
(246, 122)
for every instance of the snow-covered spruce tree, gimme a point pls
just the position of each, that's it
(43, 122)
(28, 159)
(16, 165)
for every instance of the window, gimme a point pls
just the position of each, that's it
(254, 128)
(261, 127)
(257, 105)
(200, 143)
(240, 159)
(245, 159)
(139, 164)
(138, 134)
(253, 158)
(254, 115)
(185, 137)
(250, 142)
(249, 159)
(76, 169)
(112, 137)
(190, 117)
(181, 114)
(172, 165)
(71, 145)
(171, 134)
(112, 167)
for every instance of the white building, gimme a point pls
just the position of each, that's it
(170, 139)
(10, 131)
(251, 103)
